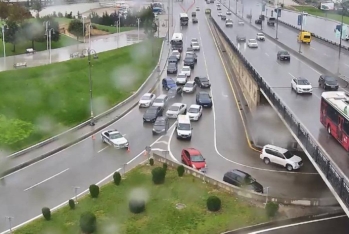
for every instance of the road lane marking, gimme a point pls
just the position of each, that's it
(267, 54)
(162, 142)
(312, 48)
(292, 75)
(33, 186)
(296, 224)
(244, 124)
(102, 149)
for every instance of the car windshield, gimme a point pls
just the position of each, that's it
(193, 110)
(249, 180)
(330, 81)
(203, 79)
(197, 158)
(189, 85)
(204, 97)
(186, 69)
(159, 100)
(194, 40)
(175, 53)
(303, 82)
(170, 82)
(252, 41)
(146, 97)
(159, 123)
(288, 154)
(195, 44)
(151, 111)
(174, 108)
(183, 126)
(284, 52)
(260, 34)
(182, 75)
(115, 135)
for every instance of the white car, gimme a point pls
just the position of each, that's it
(161, 100)
(229, 12)
(182, 78)
(195, 46)
(197, 8)
(229, 23)
(177, 54)
(115, 139)
(280, 156)
(241, 22)
(194, 112)
(193, 40)
(305, 13)
(189, 87)
(186, 70)
(147, 100)
(176, 109)
(218, 4)
(252, 43)
(219, 14)
(260, 37)
(301, 85)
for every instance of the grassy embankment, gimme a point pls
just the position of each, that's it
(314, 11)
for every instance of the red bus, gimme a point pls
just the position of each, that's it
(334, 115)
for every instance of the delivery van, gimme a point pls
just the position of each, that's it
(304, 37)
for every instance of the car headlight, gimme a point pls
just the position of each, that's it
(193, 166)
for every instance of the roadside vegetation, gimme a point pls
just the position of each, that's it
(39, 102)
(151, 199)
(317, 12)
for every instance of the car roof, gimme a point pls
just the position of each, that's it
(190, 82)
(195, 106)
(161, 118)
(302, 78)
(260, 33)
(162, 96)
(147, 94)
(191, 151)
(327, 77)
(238, 172)
(175, 51)
(177, 104)
(203, 93)
(112, 131)
(186, 67)
(153, 107)
(273, 147)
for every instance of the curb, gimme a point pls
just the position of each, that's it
(128, 100)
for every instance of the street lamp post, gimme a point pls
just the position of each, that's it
(300, 41)
(236, 7)
(168, 22)
(83, 28)
(277, 22)
(47, 24)
(341, 33)
(9, 218)
(138, 19)
(50, 32)
(3, 38)
(76, 194)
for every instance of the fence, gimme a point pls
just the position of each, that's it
(334, 176)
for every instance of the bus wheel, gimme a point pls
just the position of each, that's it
(329, 129)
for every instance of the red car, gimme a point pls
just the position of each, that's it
(193, 158)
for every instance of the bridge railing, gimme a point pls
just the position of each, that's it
(334, 176)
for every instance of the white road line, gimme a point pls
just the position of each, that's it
(162, 142)
(102, 149)
(312, 48)
(296, 224)
(46, 180)
(169, 143)
(291, 75)
(267, 54)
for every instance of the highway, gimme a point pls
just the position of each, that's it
(278, 75)
(53, 180)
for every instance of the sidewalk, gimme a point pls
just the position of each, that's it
(16, 162)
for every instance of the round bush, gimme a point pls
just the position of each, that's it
(158, 174)
(136, 206)
(213, 203)
(117, 178)
(88, 222)
(164, 166)
(271, 208)
(71, 204)
(151, 161)
(46, 212)
(180, 170)
(94, 190)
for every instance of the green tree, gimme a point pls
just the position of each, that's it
(33, 31)
(18, 13)
(37, 6)
(55, 34)
(76, 28)
(4, 10)
(11, 33)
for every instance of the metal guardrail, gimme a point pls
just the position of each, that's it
(335, 177)
(128, 100)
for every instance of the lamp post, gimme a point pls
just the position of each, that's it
(3, 38)
(300, 41)
(341, 33)
(168, 22)
(50, 32)
(138, 20)
(47, 24)
(76, 194)
(90, 52)
(9, 218)
(236, 7)
(83, 28)
(277, 22)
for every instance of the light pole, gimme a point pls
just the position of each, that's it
(138, 19)
(3, 38)
(277, 22)
(9, 218)
(83, 28)
(46, 24)
(341, 33)
(300, 41)
(236, 7)
(50, 32)
(168, 22)
(76, 194)
(95, 56)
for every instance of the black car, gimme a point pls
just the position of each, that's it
(261, 17)
(240, 38)
(192, 54)
(223, 17)
(202, 82)
(152, 113)
(195, 20)
(204, 99)
(328, 82)
(172, 68)
(172, 59)
(161, 125)
(283, 56)
(259, 21)
(189, 61)
(177, 47)
(242, 179)
(189, 49)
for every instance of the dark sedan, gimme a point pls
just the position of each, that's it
(189, 61)
(240, 38)
(259, 21)
(161, 125)
(202, 82)
(204, 99)
(223, 17)
(192, 54)
(172, 68)
(328, 82)
(283, 56)
(242, 179)
(152, 113)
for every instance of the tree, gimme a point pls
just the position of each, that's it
(37, 6)
(18, 13)
(4, 10)
(76, 28)
(33, 31)
(11, 33)
(88, 222)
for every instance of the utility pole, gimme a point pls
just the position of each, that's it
(9, 218)
(300, 41)
(277, 22)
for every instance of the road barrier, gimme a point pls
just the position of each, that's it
(330, 173)
(246, 193)
(151, 77)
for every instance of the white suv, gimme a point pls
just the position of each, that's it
(283, 157)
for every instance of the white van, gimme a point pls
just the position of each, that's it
(183, 127)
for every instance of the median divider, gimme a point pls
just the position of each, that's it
(327, 169)
(153, 77)
(245, 193)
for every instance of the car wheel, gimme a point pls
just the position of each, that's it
(185, 111)
(289, 167)
(266, 160)
(329, 129)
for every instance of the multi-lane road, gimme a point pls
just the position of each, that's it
(53, 180)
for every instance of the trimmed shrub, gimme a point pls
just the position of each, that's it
(158, 174)
(71, 204)
(94, 190)
(271, 208)
(164, 166)
(151, 161)
(136, 206)
(46, 212)
(88, 222)
(213, 203)
(117, 178)
(180, 170)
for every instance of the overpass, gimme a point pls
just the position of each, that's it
(299, 113)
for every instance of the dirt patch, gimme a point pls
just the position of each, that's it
(63, 28)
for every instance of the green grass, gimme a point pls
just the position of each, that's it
(39, 46)
(112, 29)
(55, 97)
(161, 216)
(317, 12)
